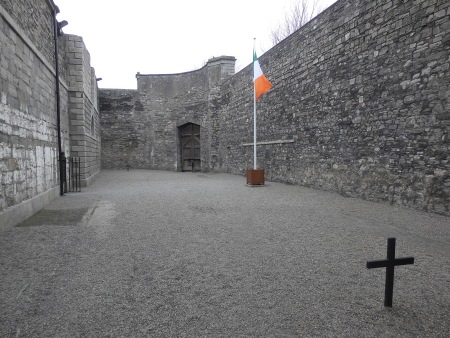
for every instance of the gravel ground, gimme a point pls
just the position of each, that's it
(164, 254)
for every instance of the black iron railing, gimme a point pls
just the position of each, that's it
(72, 179)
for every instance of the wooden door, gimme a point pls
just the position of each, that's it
(190, 147)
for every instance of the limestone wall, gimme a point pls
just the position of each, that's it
(35, 20)
(28, 138)
(28, 116)
(83, 107)
(359, 105)
(140, 128)
(124, 130)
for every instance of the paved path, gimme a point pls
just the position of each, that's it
(163, 254)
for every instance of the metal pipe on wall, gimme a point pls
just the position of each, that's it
(61, 155)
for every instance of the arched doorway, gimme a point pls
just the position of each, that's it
(190, 147)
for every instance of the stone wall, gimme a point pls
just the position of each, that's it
(123, 130)
(35, 20)
(140, 128)
(28, 128)
(83, 108)
(359, 105)
(28, 138)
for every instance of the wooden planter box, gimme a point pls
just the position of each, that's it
(255, 176)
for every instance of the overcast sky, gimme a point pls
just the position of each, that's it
(169, 36)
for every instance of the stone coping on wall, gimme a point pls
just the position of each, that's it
(211, 62)
(220, 59)
(267, 143)
(52, 6)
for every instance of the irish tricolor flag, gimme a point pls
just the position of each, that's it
(261, 83)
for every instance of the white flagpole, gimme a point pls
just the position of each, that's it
(254, 110)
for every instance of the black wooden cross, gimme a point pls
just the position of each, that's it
(389, 264)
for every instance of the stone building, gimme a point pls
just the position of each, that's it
(359, 105)
(33, 89)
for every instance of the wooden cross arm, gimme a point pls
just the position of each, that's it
(404, 261)
(382, 263)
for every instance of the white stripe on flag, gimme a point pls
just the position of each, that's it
(257, 72)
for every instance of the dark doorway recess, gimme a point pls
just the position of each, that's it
(190, 147)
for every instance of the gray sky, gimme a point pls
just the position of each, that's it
(169, 36)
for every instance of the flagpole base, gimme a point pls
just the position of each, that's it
(255, 177)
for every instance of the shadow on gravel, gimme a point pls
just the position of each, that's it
(64, 217)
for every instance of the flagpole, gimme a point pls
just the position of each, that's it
(254, 111)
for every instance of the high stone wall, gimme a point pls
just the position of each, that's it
(37, 24)
(140, 128)
(28, 137)
(29, 169)
(122, 129)
(83, 107)
(359, 105)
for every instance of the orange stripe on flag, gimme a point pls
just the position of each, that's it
(262, 85)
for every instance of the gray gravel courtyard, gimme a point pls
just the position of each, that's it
(163, 254)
